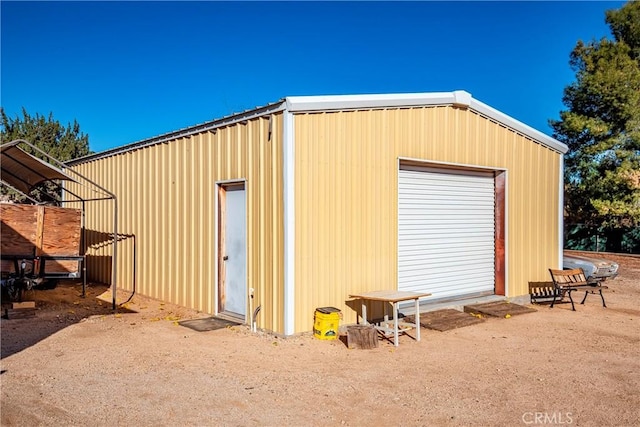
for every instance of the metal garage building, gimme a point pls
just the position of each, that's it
(297, 204)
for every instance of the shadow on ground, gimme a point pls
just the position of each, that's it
(55, 310)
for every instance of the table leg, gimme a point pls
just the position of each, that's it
(386, 314)
(364, 313)
(417, 318)
(395, 324)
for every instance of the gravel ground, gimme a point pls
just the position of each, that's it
(77, 363)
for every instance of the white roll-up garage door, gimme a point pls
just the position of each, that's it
(446, 228)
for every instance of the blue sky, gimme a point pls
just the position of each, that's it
(128, 71)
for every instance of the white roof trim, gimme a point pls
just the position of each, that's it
(361, 102)
(518, 126)
(457, 98)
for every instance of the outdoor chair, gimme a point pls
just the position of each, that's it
(567, 281)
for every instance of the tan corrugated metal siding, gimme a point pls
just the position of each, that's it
(346, 189)
(166, 194)
(346, 172)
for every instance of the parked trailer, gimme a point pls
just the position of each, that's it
(39, 244)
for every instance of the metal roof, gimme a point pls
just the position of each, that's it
(327, 103)
(457, 98)
(185, 132)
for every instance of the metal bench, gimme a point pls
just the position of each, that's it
(540, 292)
(567, 281)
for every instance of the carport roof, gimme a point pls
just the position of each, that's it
(23, 171)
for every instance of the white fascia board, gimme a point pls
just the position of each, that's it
(517, 125)
(297, 104)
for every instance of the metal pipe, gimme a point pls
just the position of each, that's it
(88, 200)
(135, 262)
(83, 251)
(253, 318)
(114, 263)
(18, 191)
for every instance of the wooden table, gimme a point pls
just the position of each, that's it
(393, 297)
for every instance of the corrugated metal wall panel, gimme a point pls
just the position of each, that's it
(350, 244)
(166, 195)
(346, 204)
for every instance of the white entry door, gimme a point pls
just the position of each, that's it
(232, 251)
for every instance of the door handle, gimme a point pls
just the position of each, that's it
(226, 257)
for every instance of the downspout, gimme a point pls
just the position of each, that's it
(289, 219)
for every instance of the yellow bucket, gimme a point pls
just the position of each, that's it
(327, 322)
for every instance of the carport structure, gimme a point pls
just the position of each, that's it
(24, 172)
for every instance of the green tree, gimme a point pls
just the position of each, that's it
(49, 135)
(602, 129)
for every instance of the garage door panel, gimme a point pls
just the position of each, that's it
(448, 224)
(446, 232)
(442, 176)
(429, 252)
(465, 252)
(419, 200)
(444, 235)
(439, 205)
(440, 281)
(444, 188)
(435, 208)
(468, 260)
(438, 213)
(445, 290)
(417, 241)
(460, 269)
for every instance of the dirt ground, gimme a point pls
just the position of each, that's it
(78, 363)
